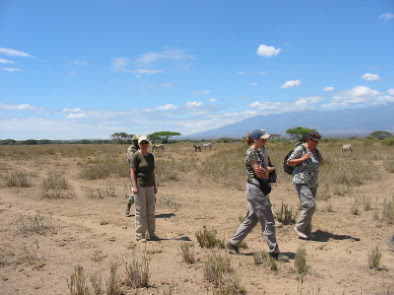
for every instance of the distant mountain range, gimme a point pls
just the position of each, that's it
(338, 123)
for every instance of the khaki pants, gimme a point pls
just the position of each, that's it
(259, 211)
(145, 212)
(308, 206)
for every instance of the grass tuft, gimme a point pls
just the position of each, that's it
(374, 257)
(137, 272)
(300, 262)
(188, 253)
(77, 282)
(208, 239)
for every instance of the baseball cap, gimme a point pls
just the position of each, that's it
(259, 133)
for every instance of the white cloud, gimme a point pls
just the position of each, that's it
(12, 70)
(308, 100)
(253, 84)
(371, 77)
(201, 92)
(146, 71)
(386, 16)
(356, 95)
(72, 110)
(192, 104)
(119, 64)
(6, 61)
(17, 107)
(212, 99)
(166, 107)
(391, 91)
(328, 88)
(12, 52)
(291, 83)
(79, 62)
(385, 98)
(268, 51)
(76, 116)
(175, 54)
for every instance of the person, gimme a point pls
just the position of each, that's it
(306, 158)
(130, 151)
(257, 190)
(142, 174)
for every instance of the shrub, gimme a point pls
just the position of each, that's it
(285, 215)
(113, 283)
(16, 179)
(137, 272)
(77, 283)
(266, 260)
(188, 253)
(215, 267)
(300, 262)
(229, 285)
(55, 180)
(389, 166)
(374, 257)
(207, 238)
(388, 211)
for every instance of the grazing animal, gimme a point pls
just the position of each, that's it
(158, 147)
(207, 146)
(347, 148)
(197, 148)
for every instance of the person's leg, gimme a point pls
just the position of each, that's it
(263, 210)
(308, 205)
(140, 214)
(244, 228)
(150, 210)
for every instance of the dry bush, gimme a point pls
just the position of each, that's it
(264, 259)
(34, 224)
(285, 215)
(7, 255)
(229, 285)
(77, 282)
(96, 282)
(300, 262)
(207, 238)
(355, 207)
(114, 287)
(137, 272)
(215, 267)
(388, 211)
(55, 186)
(188, 254)
(374, 257)
(97, 193)
(16, 179)
(389, 166)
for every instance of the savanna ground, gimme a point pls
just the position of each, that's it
(63, 228)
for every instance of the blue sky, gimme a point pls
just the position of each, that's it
(87, 69)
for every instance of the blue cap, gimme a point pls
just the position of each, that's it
(259, 133)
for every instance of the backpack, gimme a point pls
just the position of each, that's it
(130, 151)
(286, 168)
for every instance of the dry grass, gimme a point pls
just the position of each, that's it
(216, 266)
(207, 238)
(374, 257)
(188, 253)
(77, 283)
(15, 179)
(137, 272)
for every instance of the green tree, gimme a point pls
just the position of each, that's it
(122, 137)
(299, 133)
(163, 136)
(380, 134)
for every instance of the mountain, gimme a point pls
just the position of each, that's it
(338, 123)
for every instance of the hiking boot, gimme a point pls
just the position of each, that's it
(300, 234)
(127, 209)
(153, 238)
(233, 249)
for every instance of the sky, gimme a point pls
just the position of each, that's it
(88, 69)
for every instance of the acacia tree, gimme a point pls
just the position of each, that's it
(122, 137)
(163, 136)
(298, 133)
(380, 134)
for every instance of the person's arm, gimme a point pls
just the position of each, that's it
(260, 172)
(133, 178)
(154, 183)
(296, 157)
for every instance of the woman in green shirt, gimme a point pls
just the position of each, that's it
(142, 174)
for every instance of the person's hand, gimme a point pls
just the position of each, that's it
(135, 190)
(155, 190)
(307, 156)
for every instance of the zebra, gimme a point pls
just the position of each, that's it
(197, 148)
(347, 148)
(158, 147)
(207, 146)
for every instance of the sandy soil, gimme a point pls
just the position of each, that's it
(42, 240)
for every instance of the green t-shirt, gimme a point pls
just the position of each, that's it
(145, 166)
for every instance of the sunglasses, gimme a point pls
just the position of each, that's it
(144, 142)
(263, 140)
